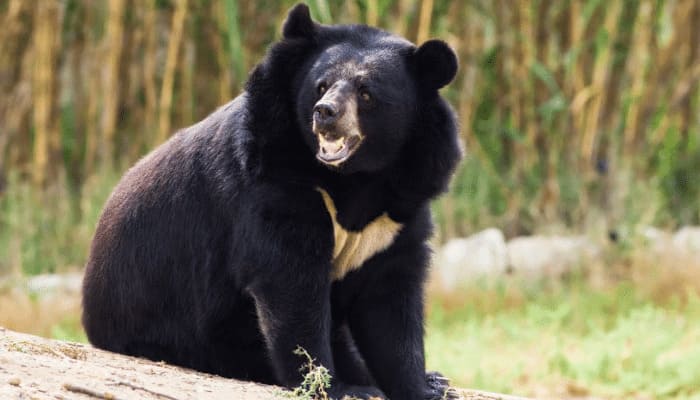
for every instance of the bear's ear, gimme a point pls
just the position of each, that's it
(435, 63)
(299, 23)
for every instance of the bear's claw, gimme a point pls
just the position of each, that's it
(439, 387)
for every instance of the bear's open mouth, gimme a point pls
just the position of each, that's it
(337, 151)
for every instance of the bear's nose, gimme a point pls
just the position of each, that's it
(325, 113)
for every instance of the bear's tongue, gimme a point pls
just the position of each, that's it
(334, 152)
(332, 148)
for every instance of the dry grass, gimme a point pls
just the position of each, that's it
(665, 277)
(40, 316)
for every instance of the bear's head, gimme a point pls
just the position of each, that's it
(358, 90)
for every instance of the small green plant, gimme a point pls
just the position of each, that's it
(316, 380)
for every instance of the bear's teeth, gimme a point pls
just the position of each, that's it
(334, 147)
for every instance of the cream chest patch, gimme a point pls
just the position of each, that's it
(352, 249)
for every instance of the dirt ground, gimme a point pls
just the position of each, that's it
(32, 367)
(36, 368)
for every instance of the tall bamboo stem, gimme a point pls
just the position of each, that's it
(166, 92)
(601, 70)
(111, 80)
(426, 15)
(44, 91)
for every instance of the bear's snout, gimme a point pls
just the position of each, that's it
(325, 114)
(331, 107)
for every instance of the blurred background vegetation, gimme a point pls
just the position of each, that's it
(577, 116)
(571, 111)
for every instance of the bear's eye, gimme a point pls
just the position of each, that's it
(322, 88)
(365, 96)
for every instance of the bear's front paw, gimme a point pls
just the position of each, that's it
(439, 387)
(347, 392)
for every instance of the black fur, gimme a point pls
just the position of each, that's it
(214, 251)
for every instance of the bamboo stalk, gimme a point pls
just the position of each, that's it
(508, 23)
(550, 192)
(186, 84)
(19, 146)
(576, 87)
(400, 22)
(666, 61)
(13, 41)
(426, 14)
(512, 52)
(166, 93)
(324, 11)
(693, 61)
(131, 137)
(372, 14)
(92, 132)
(503, 70)
(473, 40)
(664, 50)
(235, 40)
(90, 67)
(149, 70)
(524, 22)
(15, 105)
(351, 12)
(114, 37)
(44, 91)
(78, 95)
(601, 69)
(224, 73)
(127, 143)
(542, 33)
(637, 69)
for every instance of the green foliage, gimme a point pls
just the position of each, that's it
(677, 165)
(547, 94)
(320, 10)
(316, 380)
(568, 341)
(233, 36)
(49, 232)
(70, 329)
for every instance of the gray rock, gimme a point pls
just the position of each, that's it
(687, 241)
(465, 259)
(549, 256)
(656, 240)
(48, 284)
(680, 249)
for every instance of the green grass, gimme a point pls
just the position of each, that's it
(574, 340)
(51, 231)
(69, 329)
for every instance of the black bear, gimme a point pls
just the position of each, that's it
(296, 215)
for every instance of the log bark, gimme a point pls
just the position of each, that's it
(35, 367)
